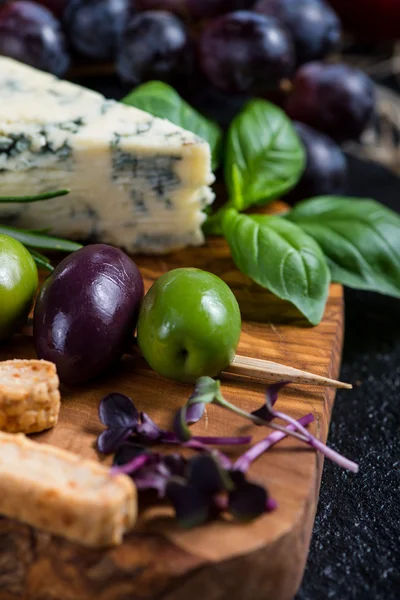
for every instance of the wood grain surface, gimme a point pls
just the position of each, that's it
(263, 560)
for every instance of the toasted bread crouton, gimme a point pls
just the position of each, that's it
(63, 494)
(29, 396)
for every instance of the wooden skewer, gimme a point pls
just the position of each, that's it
(266, 370)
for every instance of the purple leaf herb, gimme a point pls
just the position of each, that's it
(153, 474)
(119, 414)
(312, 440)
(192, 507)
(298, 431)
(110, 440)
(272, 393)
(133, 465)
(208, 476)
(205, 392)
(124, 421)
(148, 430)
(247, 500)
(201, 487)
(223, 459)
(157, 475)
(195, 412)
(271, 505)
(213, 394)
(223, 441)
(128, 452)
(118, 411)
(175, 464)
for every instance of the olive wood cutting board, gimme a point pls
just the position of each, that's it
(262, 560)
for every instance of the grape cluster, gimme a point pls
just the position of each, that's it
(238, 48)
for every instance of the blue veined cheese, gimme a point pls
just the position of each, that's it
(136, 181)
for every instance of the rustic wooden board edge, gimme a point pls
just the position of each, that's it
(151, 566)
(37, 566)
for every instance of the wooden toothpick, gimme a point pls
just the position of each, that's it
(266, 370)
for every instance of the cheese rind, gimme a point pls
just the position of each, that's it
(136, 181)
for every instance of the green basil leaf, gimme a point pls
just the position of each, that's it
(360, 238)
(212, 226)
(36, 240)
(161, 100)
(279, 256)
(264, 155)
(38, 198)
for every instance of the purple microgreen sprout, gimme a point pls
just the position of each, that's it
(203, 486)
(206, 473)
(243, 462)
(263, 416)
(148, 430)
(195, 412)
(149, 470)
(247, 500)
(192, 507)
(110, 440)
(298, 430)
(127, 452)
(124, 421)
(311, 439)
(118, 411)
(205, 392)
(222, 458)
(133, 465)
(119, 414)
(209, 391)
(221, 401)
(271, 505)
(272, 393)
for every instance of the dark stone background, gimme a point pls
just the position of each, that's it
(355, 549)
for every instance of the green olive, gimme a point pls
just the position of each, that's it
(189, 325)
(18, 284)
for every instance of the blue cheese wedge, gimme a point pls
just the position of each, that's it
(136, 181)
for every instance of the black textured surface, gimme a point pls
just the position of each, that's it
(355, 549)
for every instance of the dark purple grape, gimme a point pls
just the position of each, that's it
(57, 7)
(155, 45)
(87, 311)
(333, 98)
(31, 34)
(313, 24)
(94, 27)
(207, 9)
(326, 168)
(174, 6)
(245, 52)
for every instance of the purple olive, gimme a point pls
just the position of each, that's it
(87, 311)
